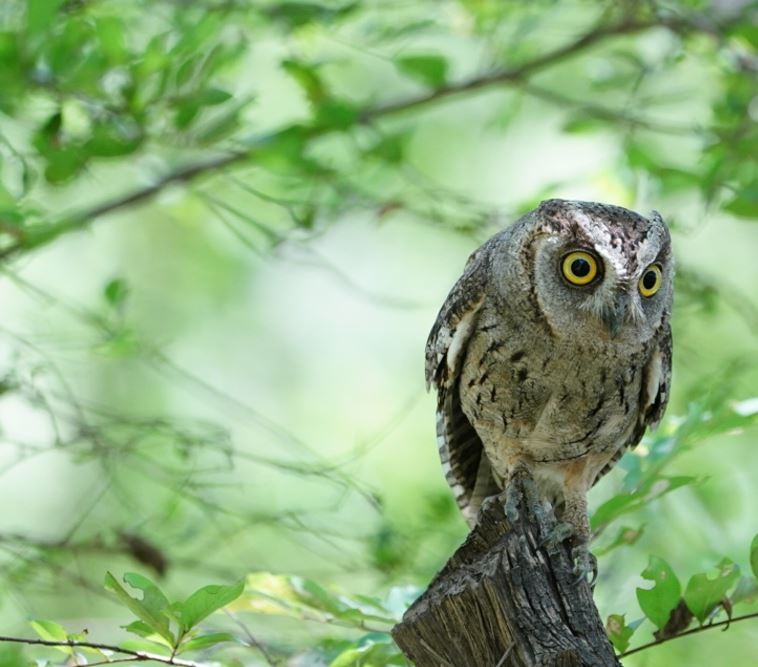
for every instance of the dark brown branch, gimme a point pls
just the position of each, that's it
(701, 628)
(503, 600)
(134, 656)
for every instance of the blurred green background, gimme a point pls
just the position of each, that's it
(223, 374)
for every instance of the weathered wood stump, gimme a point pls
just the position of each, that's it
(504, 601)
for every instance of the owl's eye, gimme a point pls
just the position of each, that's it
(651, 280)
(579, 267)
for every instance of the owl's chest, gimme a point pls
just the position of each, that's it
(550, 399)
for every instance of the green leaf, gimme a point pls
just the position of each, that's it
(336, 115)
(431, 70)
(153, 607)
(744, 204)
(115, 292)
(64, 164)
(205, 641)
(658, 602)
(754, 556)
(212, 96)
(703, 595)
(221, 126)
(373, 650)
(390, 149)
(746, 590)
(112, 141)
(143, 630)
(52, 632)
(581, 125)
(40, 14)
(308, 78)
(619, 632)
(205, 601)
(139, 628)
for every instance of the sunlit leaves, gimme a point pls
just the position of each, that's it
(373, 650)
(703, 593)
(173, 624)
(658, 602)
(305, 599)
(62, 641)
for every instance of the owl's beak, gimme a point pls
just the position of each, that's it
(614, 317)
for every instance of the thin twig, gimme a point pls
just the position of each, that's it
(135, 656)
(254, 643)
(701, 628)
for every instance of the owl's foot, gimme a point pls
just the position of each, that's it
(585, 562)
(522, 488)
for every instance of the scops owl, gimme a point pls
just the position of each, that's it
(551, 356)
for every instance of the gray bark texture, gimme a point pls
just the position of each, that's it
(504, 601)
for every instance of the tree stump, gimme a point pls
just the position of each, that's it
(504, 601)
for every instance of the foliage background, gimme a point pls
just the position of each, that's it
(226, 228)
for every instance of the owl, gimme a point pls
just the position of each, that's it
(551, 356)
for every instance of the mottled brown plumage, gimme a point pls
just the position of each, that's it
(539, 375)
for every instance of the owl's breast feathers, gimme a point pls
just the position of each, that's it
(505, 387)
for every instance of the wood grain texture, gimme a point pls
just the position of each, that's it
(503, 601)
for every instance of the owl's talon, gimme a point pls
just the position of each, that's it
(585, 564)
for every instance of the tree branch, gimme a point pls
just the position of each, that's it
(701, 628)
(514, 76)
(519, 72)
(505, 599)
(134, 656)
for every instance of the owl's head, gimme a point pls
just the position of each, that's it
(601, 270)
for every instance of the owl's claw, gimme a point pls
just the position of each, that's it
(585, 564)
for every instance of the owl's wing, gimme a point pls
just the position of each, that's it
(461, 452)
(654, 396)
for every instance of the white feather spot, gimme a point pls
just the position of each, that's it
(654, 376)
(460, 336)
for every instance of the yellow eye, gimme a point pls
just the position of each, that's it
(651, 280)
(579, 268)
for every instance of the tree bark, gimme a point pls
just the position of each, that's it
(504, 601)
